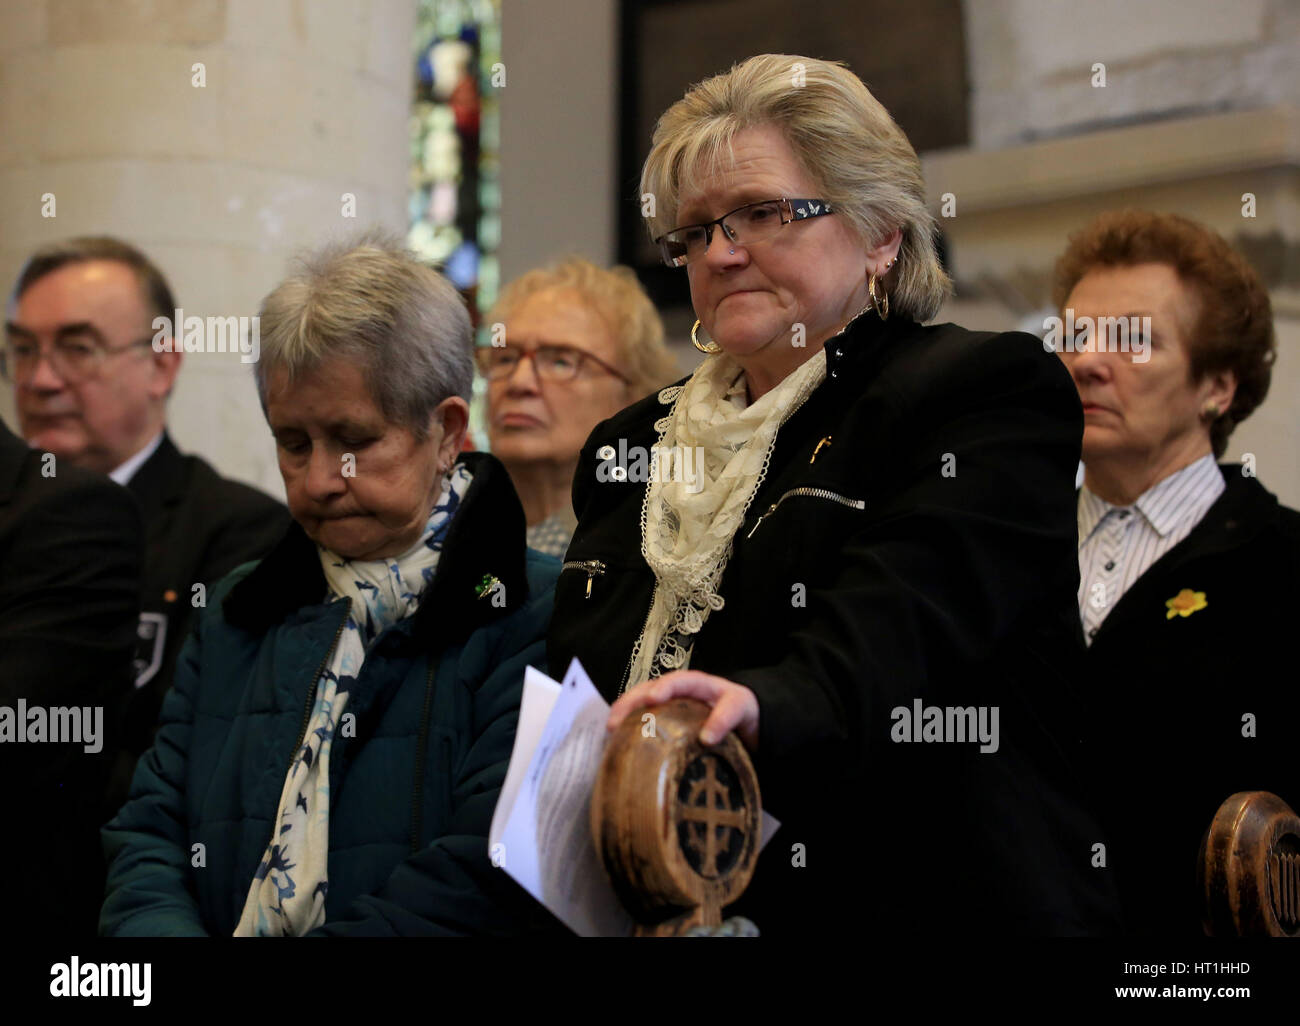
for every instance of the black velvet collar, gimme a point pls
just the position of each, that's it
(486, 539)
(864, 346)
(1244, 509)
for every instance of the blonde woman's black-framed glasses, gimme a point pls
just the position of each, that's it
(751, 223)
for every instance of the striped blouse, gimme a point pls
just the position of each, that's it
(1118, 544)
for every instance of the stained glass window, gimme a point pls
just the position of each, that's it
(455, 200)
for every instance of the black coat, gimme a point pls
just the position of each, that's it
(198, 527)
(958, 589)
(70, 548)
(1169, 696)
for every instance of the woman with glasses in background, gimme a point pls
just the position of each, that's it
(579, 344)
(874, 553)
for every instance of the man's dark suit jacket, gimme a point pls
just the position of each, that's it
(70, 551)
(198, 527)
(1170, 698)
(872, 572)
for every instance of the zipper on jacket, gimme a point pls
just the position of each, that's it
(592, 566)
(820, 493)
(789, 417)
(306, 719)
(417, 789)
(627, 672)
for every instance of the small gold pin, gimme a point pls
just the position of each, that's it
(824, 441)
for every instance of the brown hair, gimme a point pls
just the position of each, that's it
(48, 259)
(1233, 326)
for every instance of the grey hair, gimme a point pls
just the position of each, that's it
(371, 301)
(843, 137)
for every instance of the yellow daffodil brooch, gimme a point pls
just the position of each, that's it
(1185, 603)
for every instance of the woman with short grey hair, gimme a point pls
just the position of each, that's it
(343, 714)
(374, 306)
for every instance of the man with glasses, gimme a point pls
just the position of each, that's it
(90, 387)
(573, 344)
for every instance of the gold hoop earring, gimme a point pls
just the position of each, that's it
(878, 303)
(710, 349)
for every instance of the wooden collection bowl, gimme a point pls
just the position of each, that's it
(677, 823)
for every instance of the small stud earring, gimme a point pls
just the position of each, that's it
(732, 252)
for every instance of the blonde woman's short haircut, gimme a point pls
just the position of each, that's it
(619, 300)
(372, 302)
(857, 155)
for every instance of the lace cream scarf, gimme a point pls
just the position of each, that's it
(687, 525)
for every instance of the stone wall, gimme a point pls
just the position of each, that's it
(220, 176)
(1032, 62)
(1198, 111)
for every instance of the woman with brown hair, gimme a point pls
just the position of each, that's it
(1187, 567)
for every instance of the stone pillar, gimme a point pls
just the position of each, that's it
(559, 140)
(221, 137)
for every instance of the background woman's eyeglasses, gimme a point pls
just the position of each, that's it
(73, 357)
(553, 363)
(748, 224)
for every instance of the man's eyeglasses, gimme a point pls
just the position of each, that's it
(553, 363)
(748, 224)
(74, 356)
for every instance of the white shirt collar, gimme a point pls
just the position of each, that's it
(1191, 490)
(1186, 492)
(123, 473)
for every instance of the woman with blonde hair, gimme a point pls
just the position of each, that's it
(877, 553)
(579, 343)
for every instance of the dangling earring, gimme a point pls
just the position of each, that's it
(711, 348)
(878, 303)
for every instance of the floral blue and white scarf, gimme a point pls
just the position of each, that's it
(287, 895)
